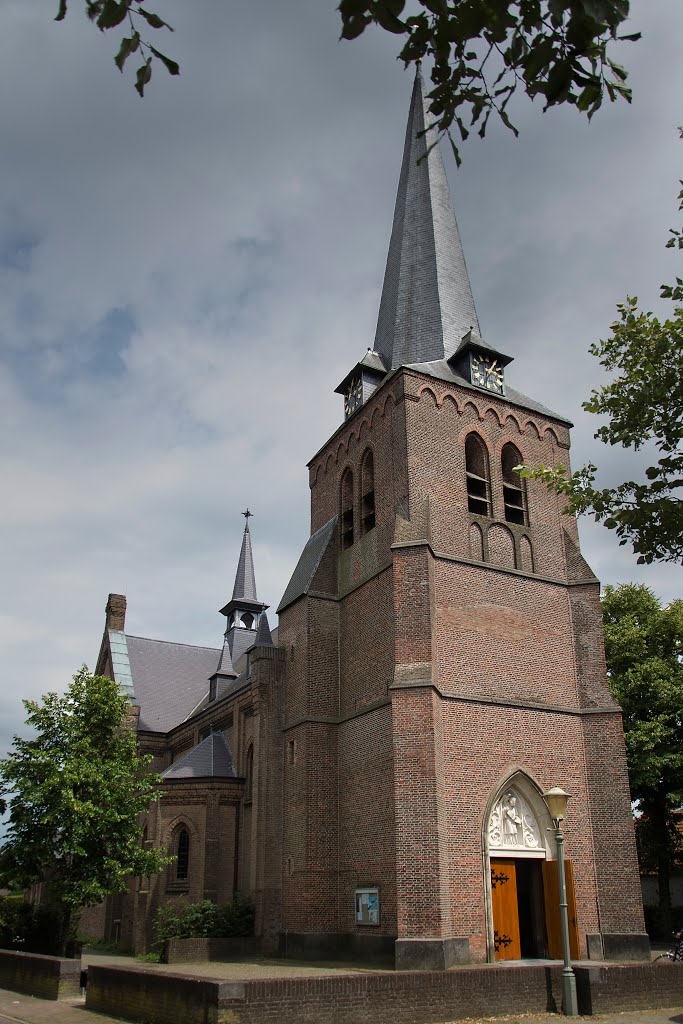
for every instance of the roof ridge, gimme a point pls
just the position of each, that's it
(173, 643)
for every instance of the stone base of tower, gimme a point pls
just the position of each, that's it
(426, 954)
(618, 946)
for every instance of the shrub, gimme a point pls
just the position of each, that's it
(180, 919)
(24, 926)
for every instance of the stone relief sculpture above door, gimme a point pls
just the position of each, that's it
(513, 827)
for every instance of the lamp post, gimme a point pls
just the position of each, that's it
(556, 800)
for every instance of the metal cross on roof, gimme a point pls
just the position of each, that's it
(247, 515)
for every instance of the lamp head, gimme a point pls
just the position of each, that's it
(556, 800)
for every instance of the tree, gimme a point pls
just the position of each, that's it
(76, 792)
(482, 50)
(110, 14)
(643, 403)
(644, 647)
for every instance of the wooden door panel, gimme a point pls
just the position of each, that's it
(505, 911)
(551, 896)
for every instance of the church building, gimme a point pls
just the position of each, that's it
(373, 771)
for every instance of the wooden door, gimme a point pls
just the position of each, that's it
(551, 896)
(505, 911)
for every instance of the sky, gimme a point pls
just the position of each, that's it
(185, 279)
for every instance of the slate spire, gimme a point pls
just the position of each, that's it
(245, 581)
(244, 608)
(427, 304)
(264, 637)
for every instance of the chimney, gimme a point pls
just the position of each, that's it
(116, 612)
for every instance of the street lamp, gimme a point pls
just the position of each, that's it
(556, 801)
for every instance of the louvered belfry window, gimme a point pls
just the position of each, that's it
(367, 476)
(514, 487)
(347, 509)
(478, 476)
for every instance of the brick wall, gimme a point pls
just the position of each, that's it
(378, 998)
(48, 977)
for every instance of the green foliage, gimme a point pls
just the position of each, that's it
(149, 958)
(77, 790)
(181, 919)
(485, 50)
(644, 651)
(23, 926)
(111, 14)
(643, 402)
(101, 945)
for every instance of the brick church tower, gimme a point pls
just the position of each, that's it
(440, 657)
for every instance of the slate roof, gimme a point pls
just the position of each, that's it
(209, 759)
(442, 370)
(308, 563)
(225, 666)
(263, 634)
(169, 679)
(240, 641)
(245, 581)
(427, 304)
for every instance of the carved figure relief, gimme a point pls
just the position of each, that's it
(513, 826)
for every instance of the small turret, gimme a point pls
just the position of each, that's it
(244, 609)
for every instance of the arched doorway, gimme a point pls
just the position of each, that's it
(521, 876)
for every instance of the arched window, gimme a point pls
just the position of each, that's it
(347, 509)
(514, 487)
(182, 864)
(367, 482)
(477, 476)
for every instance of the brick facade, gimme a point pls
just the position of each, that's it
(439, 664)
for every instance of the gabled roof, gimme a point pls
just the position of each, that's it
(169, 679)
(209, 759)
(308, 563)
(427, 304)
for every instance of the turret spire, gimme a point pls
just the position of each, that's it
(245, 581)
(427, 304)
(244, 609)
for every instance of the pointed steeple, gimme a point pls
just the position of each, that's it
(263, 634)
(223, 675)
(224, 669)
(244, 608)
(427, 304)
(245, 581)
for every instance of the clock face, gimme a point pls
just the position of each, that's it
(487, 373)
(354, 396)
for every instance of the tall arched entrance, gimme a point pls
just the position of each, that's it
(521, 877)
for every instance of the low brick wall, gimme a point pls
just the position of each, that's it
(48, 977)
(196, 951)
(155, 998)
(384, 997)
(612, 988)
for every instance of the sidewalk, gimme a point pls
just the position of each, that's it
(21, 1009)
